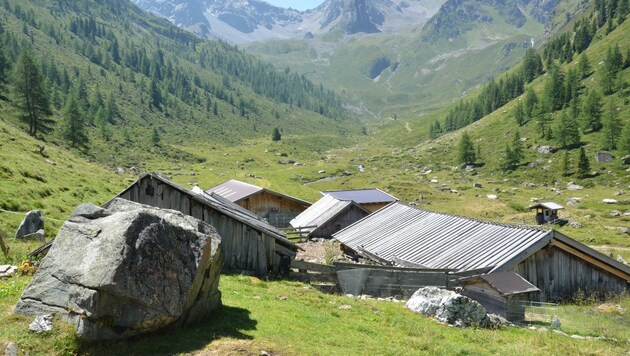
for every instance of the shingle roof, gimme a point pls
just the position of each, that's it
(321, 212)
(234, 190)
(362, 196)
(438, 240)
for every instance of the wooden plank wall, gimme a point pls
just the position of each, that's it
(243, 248)
(344, 219)
(560, 275)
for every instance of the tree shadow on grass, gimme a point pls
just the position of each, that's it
(228, 322)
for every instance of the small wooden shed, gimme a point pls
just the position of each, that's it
(277, 208)
(329, 215)
(501, 293)
(248, 243)
(546, 212)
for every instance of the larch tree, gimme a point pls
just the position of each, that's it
(31, 97)
(612, 127)
(584, 165)
(466, 150)
(73, 128)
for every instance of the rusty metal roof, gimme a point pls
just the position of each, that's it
(507, 283)
(438, 240)
(318, 214)
(234, 190)
(362, 196)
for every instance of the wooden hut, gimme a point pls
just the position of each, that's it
(558, 265)
(248, 243)
(369, 199)
(546, 213)
(501, 293)
(329, 215)
(277, 208)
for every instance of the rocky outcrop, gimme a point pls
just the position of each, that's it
(33, 222)
(452, 308)
(127, 270)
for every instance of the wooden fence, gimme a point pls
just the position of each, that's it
(373, 280)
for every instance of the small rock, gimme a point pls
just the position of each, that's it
(492, 196)
(11, 349)
(347, 173)
(573, 201)
(615, 213)
(530, 185)
(345, 307)
(574, 223)
(533, 165)
(573, 186)
(603, 157)
(38, 235)
(621, 192)
(477, 185)
(543, 329)
(283, 297)
(33, 221)
(321, 172)
(546, 149)
(264, 353)
(42, 323)
(7, 270)
(555, 324)
(532, 328)
(560, 332)
(578, 337)
(534, 200)
(434, 181)
(609, 201)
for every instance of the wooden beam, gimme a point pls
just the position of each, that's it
(590, 259)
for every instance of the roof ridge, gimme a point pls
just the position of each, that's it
(489, 222)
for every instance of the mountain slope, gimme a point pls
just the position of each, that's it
(150, 78)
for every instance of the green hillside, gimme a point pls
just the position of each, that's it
(140, 81)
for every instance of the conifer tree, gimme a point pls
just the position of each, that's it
(155, 137)
(31, 97)
(276, 135)
(74, 124)
(519, 114)
(566, 132)
(584, 165)
(584, 66)
(612, 127)
(591, 116)
(566, 164)
(624, 142)
(532, 65)
(466, 150)
(517, 147)
(531, 99)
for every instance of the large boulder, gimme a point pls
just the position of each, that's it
(449, 307)
(126, 270)
(33, 221)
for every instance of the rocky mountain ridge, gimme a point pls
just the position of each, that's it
(254, 20)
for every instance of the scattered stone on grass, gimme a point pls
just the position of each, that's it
(555, 324)
(609, 201)
(11, 349)
(609, 308)
(33, 221)
(7, 270)
(574, 223)
(345, 307)
(578, 337)
(615, 213)
(573, 201)
(38, 235)
(546, 149)
(42, 323)
(492, 196)
(573, 186)
(560, 332)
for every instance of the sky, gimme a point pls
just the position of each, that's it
(296, 4)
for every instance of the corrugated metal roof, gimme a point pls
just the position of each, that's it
(225, 207)
(509, 283)
(548, 205)
(321, 212)
(362, 196)
(438, 240)
(234, 190)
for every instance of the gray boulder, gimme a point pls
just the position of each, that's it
(127, 270)
(603, 157)
(38, 235)
(449, 307)
(32, 222)
(42, 323)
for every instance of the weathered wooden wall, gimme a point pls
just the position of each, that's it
(270, 207)
(344, 219)
(487, 296)
(243, 248)
(388, 283)
(374, 207)
(560, 275)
